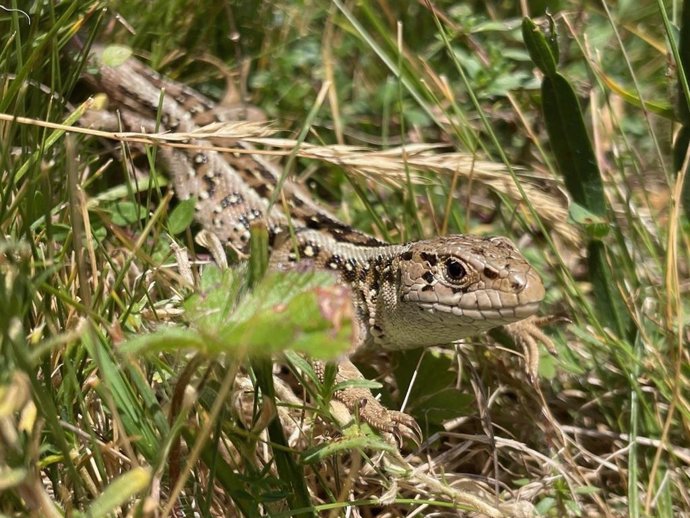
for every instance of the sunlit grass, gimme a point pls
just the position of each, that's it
(92, 243)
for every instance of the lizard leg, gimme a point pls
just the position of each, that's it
(368, 408)
(527, 334)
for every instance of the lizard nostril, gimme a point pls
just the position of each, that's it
(519, 283)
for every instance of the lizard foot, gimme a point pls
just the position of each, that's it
(527, 334)
(361, 401)
(398, 424)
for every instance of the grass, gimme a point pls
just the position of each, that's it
(128, 384)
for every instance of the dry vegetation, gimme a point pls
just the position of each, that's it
(126, 391)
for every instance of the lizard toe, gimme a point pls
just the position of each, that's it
(528, 334)
(398, 424)
(406, 427)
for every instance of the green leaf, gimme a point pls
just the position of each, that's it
(659, 107)
(548, 366)
(357, 383)
(115, 55)
(212, 276)
(683, 103)
(346, 444)
(258, 251)
(595, 226)
(545, 505)
(682, 56)
(118, 492)
(302, 365)
(164, 339)
(540, 50)
(286, 310)
(116, 386)
(431, 399)
(218, 295)
(441, 406)
(571, 145)
(588, 490)
(576, 161)
(607, 297)
(10, 478)
(432, 374)
(126, 212)
(181, 216)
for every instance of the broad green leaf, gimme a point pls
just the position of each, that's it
(357, 383)
(607, 297)
(441, 406)
(545, 505)
(285, 311)
(433, 374)
(548, 366)
(115, 55)
(431, 400)
(680, 147)
(540, 49)
(305, 312)
(181, 216)
(588, 490)
(258, 248)
(573, 151)
(126, 212)
(571, 145)
(210, 307)
(303, 365)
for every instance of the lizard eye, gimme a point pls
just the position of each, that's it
(455, 271)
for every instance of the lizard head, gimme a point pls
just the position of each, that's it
(456, 286)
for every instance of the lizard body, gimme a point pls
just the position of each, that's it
(423, 293)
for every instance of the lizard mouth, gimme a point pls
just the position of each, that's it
(492, 316)
(485, 307)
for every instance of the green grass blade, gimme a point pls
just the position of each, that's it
(118, 492)
(680, 147)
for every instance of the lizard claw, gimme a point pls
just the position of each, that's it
(406, 428)
(398, 424)
(527, 334)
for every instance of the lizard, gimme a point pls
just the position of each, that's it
(417, 294)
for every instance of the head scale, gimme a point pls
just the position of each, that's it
(456, 286)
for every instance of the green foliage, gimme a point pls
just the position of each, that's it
(575, 156)
(682, 143)
(181, 216)
(118, 493)
(344, 445)
(125, 213)
(282, 312)
(115, 368)
(433, 398)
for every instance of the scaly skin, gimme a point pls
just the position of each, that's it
(418, 294)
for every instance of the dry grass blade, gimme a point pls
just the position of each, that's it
(603, 432)
(384, 166)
